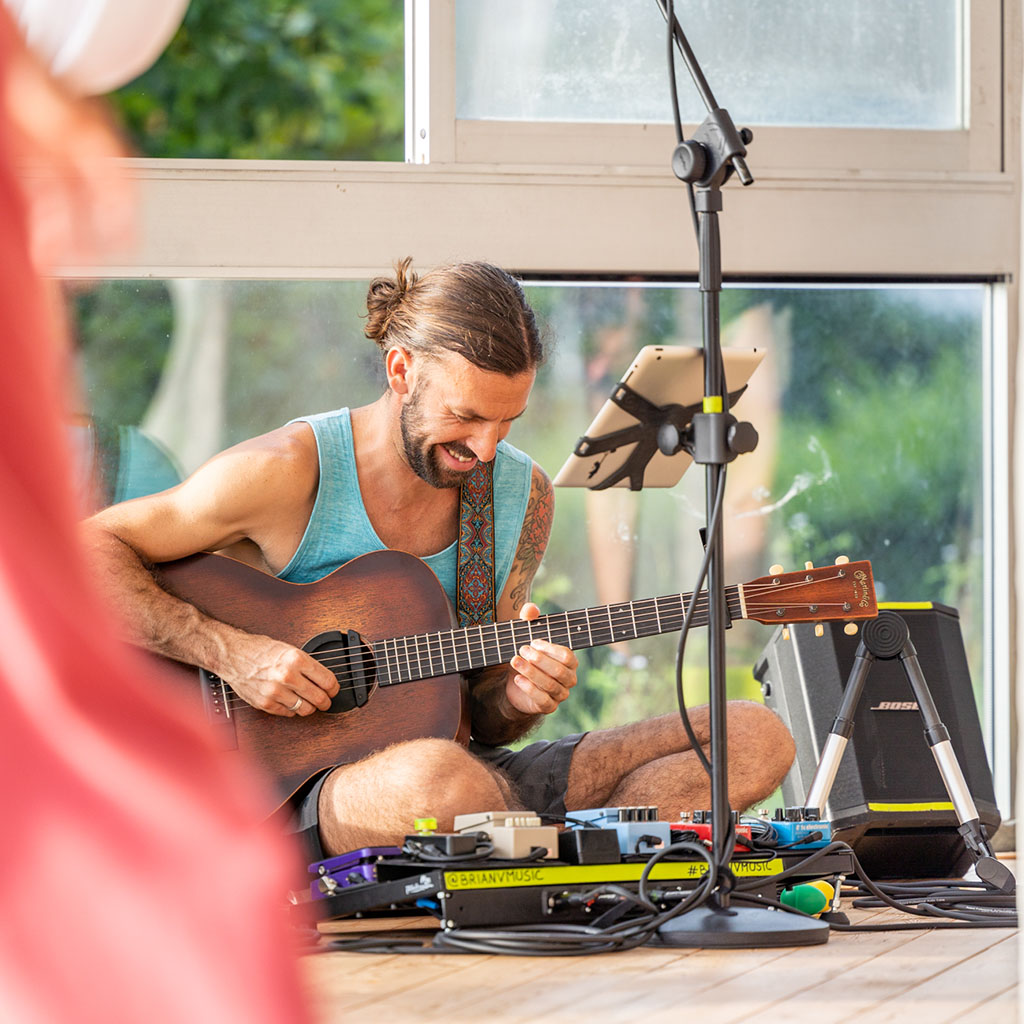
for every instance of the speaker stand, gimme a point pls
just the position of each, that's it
(888, 637)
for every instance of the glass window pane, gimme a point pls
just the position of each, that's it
(852, 63)
(275, 79)
(868, 405)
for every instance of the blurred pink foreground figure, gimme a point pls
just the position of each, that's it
(138, 883)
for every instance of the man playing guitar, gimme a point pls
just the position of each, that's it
(461, 350)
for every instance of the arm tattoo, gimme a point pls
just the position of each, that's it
(533, 538)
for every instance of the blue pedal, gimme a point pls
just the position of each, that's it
(637, 828)
(796, 833)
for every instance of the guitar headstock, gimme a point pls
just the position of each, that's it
(842, 591)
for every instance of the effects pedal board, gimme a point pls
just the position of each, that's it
(598, 848)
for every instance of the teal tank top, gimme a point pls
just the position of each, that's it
(339, 528)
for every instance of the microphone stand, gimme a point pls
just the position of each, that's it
(714, 438)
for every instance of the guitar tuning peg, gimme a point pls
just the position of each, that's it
(808, 565)
(776, 569)
(851, 629)
(819, 629)
(842, 560)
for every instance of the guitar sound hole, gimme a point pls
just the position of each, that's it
(351, 661)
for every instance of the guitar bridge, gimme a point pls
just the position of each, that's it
(217, 707)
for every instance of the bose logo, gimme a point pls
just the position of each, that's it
(896, 705)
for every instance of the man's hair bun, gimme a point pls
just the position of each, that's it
(384, 299)
(474, 310)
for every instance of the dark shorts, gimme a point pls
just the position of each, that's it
(539, 775)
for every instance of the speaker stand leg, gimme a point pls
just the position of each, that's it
(888, 637)
(987, 867)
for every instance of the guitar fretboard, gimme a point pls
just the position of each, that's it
(426, 655)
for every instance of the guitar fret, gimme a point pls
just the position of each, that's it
(483, 638)
(432, 640)
(377, 657)
(406, 675)
(451, 647)
(564, 640)
(624, 630)
(517, 640)
(430, 658)
(490, 649)
(649, 626)
(408, 660)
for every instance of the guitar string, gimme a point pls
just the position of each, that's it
(487, 645)
(641, 616)
(630, 608)
(368, 660)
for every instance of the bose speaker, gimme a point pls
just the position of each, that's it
(888, 800)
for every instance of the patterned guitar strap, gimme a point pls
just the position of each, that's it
(475, 573)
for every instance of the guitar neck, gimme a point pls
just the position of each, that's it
(424, 656)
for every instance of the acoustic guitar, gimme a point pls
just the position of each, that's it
(384, 625)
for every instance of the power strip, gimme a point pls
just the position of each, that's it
(515, 834)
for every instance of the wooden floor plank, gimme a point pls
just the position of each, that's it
(342, 982)
(973, 981)
(781, 979)
(868, 985)
(1003, 1008)
(651, 979)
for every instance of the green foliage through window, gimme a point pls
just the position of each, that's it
(275, 79)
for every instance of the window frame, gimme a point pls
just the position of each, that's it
(948, 204)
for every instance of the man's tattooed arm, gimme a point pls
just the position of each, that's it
(494, 719)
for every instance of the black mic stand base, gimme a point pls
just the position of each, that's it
(714, 927)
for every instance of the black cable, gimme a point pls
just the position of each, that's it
(670, 18)
(716, 513)
(979, 918)
(673, 86)
(429, 852)
(569, 820)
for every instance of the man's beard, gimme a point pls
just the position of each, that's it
(420, 453)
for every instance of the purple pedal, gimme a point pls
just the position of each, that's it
(357, 867)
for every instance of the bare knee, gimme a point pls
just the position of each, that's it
(761, 749)
(378, 799)
(445, 779)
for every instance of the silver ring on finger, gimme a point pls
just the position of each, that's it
(296, 705)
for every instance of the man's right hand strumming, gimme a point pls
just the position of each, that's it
(276, 677)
